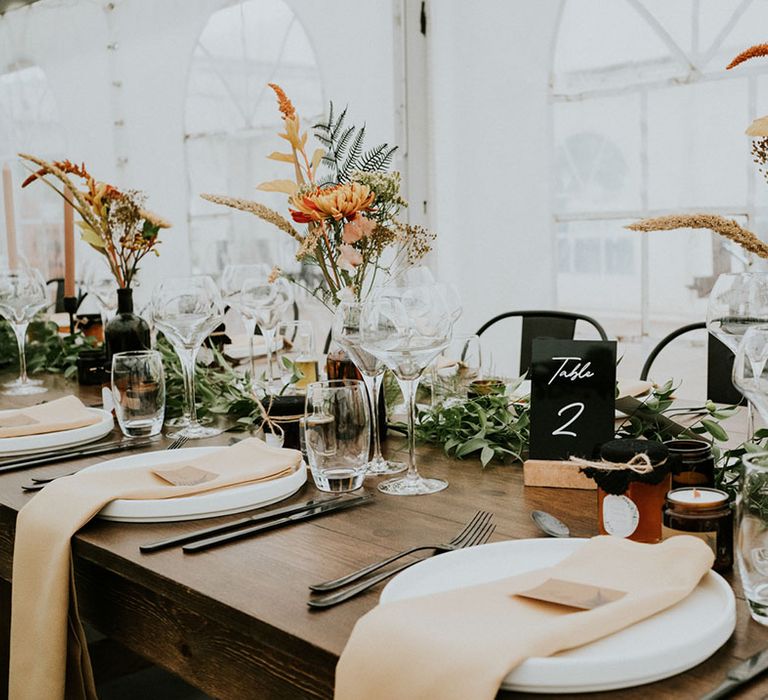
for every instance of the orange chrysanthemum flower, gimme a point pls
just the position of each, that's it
(338, 202)
(283, 103)
(752, 52)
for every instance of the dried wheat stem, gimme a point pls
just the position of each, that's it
(720, 225)
(752, 52)
(265, 213)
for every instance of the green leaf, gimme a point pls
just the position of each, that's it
(715, 430)
(486, 455)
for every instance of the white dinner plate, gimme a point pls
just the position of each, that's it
(235, 499)
(31, 444)
(663, 645)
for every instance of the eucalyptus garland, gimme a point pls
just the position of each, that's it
(47, 350)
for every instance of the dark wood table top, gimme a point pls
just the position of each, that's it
(234, 621)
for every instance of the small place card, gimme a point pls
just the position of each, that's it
(185, 476)
(17, 420)
(575, 595)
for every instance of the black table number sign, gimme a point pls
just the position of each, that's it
(573, 394)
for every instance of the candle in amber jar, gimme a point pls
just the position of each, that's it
(704, 513)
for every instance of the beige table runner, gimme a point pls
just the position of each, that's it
(66, 413)
(459, 645)
(43, 664)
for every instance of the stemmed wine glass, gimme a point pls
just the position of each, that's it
(100, 283)
(22, 295)
(232, 280)
(750, 368)
(346, 333)
(406, 328)
(265, 302)
(187, 310)
(737, 301)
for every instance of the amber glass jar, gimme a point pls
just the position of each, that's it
(704, 513)
(692, 463)
(629, 504)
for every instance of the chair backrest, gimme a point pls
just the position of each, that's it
(543, 324)
(719, 364)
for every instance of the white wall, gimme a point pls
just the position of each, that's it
(491, 161)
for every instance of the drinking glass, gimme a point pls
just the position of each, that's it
(265, 302)
(455, 369)
(346, 333)
(232, 285)
(752, 537)
(22, 296)
(138, 389)
(407, 328)
(737, 301)
(337, 433)
(187, 310)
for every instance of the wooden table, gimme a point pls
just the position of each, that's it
(234, 621)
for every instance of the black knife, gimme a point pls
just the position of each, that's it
(234, 525)
(738, 675)
(315, 512)
(64, 455)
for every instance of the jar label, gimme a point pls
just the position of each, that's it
(620, 515)
(708, 538)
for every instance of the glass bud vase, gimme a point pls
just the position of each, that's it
(125, 331)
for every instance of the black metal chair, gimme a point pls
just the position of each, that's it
(543, 324)
(719, 364)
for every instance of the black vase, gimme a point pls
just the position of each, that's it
(126, 331)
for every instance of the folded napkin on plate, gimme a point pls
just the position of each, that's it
(461, 644)
(41, 666)
(66, 413)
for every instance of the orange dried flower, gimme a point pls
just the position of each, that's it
(337, 202)
(752, 52)
(283, 103)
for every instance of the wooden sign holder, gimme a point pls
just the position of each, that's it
(555, 474)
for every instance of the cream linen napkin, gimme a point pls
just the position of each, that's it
(66, 413)
(459, 645)
(42, 559)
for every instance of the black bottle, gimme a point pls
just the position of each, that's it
(126, 331)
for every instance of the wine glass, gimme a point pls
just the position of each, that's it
(406, 328)
(455, 369)
(265, 302)
(750, 368)
(232, 285)
(737, 301)
(100, 283)
(346, 333)
(22, 296)
(187, 310)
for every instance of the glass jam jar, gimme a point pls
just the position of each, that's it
(693, 463)
(704, 513)
(629, 503)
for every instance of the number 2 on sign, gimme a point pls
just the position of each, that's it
(578, 409)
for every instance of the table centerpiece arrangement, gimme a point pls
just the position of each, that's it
(347, 206)
(114, 223)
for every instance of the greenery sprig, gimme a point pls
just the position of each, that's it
(47, 350)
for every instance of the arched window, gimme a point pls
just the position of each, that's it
(647, 121)
(232, 124)
(29, 122)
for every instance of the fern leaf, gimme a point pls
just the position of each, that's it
(353, 157)
(377, 158)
